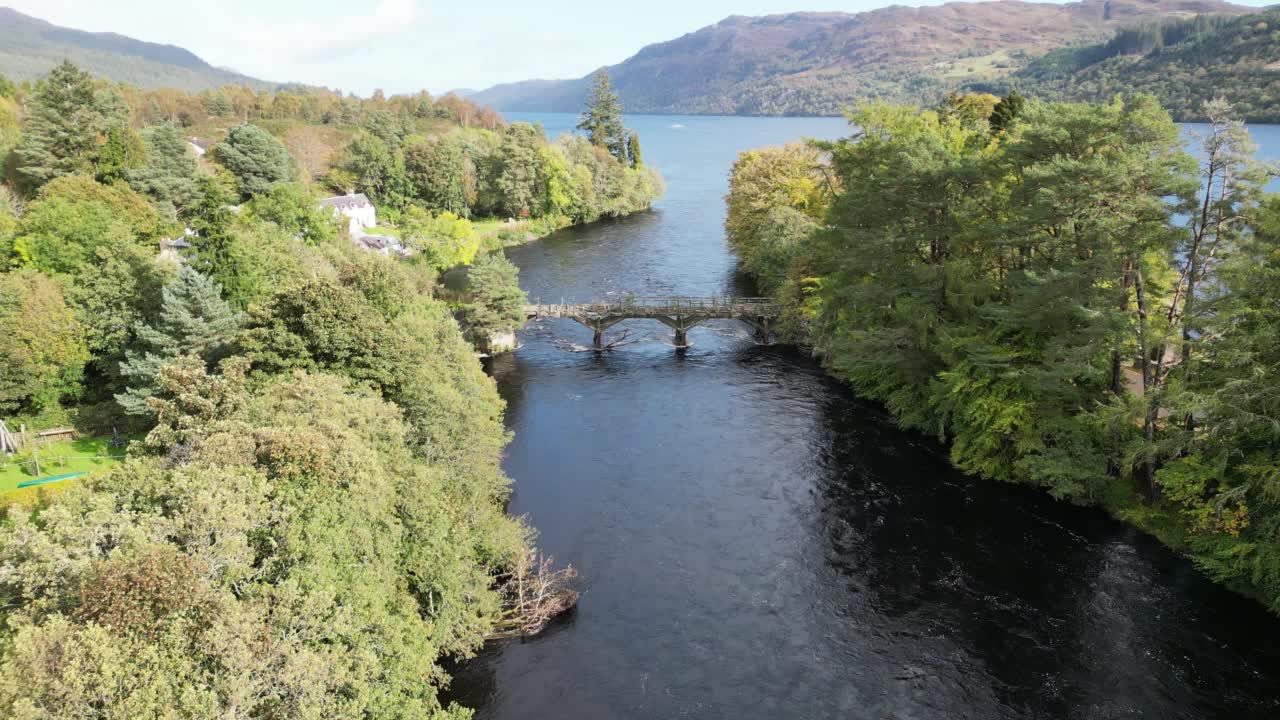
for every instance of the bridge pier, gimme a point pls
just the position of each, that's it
(760, 330)
(597, 327)
(682, 324)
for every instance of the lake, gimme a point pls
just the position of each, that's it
(755, 542)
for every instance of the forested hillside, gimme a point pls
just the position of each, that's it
(30, 48)
(820, 63)
(295, 507)
(1059, 291)
(1182, 63)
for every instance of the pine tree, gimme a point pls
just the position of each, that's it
(193, 320)
(256, 158)
(633, 150)
(602, 118)
(496, 300)
(169, 175)
(1006, 111)
(69, 123)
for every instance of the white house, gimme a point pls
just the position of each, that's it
(359, 212)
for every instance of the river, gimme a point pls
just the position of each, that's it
(755, 542)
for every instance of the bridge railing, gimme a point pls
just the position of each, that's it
(669, 303)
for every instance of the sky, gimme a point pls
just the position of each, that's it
(408, 45)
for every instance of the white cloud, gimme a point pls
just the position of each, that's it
(305, 40)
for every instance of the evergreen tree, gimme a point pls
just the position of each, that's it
(122, 151)
(602, 118)
(169, 175)
(218, 251)
(193, 320)
(495, 300)
(256, 158)
(633, 150)
(69, 123)
(1006, 111)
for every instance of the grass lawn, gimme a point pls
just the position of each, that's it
(86, 454)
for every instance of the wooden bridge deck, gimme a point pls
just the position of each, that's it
(679, 313)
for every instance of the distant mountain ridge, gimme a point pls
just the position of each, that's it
(30, 47)
(1183, 64)
(817, 63)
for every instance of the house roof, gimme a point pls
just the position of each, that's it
(200, 143)
(347, 202)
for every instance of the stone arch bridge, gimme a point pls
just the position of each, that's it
(678, 313)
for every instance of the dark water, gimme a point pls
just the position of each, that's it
(757, 543)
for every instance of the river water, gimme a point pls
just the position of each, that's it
(755, 542)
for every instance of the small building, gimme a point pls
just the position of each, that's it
(356, 207)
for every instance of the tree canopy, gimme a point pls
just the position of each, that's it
(70, 120)
(256, 158)
(1059, 291)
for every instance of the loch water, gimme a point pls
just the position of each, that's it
(756, 542)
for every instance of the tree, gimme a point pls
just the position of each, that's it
(763, 183)
(379, 170)
(1006, 112)
(495, 302)
(633, 150)
(256, 158)
(74, 216)
(218, 601)
(602, 118)
(122, 152)
(295, 210)
(42, 345)
(193, 320)
(1231, 183)
(436, 169)
(514, 171)
(118, 290)
(445, 240)
(217, 104)
(219, 247)
(68, 125)
(169, 175)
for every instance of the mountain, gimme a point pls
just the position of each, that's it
(30, 47)
(817, 63)
(1181, 63)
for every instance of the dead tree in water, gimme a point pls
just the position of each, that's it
(533, 594)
